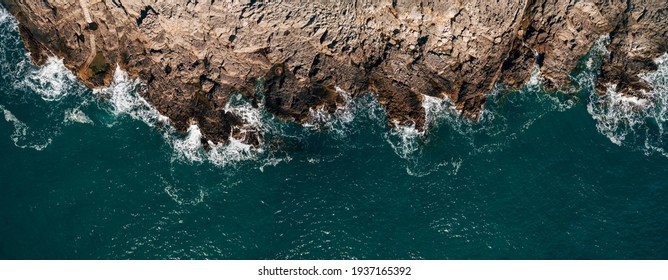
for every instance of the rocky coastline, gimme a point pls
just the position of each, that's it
(193, 56)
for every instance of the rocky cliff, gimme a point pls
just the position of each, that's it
(194, 54)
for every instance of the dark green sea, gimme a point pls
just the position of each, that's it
(96, 175)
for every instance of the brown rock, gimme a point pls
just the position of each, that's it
(194, 55)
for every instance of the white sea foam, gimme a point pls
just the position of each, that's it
(536, 80)
(179, 196)
(437, 108)
(337, 122)
(22, 136)
(6, 17)
(252, 118)
(405, 140)
(190, 147)
(232, 152)
(75, 115)
(632, 119)
(598, 52)
(124, 99)
(52, 81)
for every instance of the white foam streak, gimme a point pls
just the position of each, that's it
(406, 140)
(21, 134)
(178, 196)
(191, 148)
(615, 114)
(7, 18)
(598, 52)
(234, 151)
(123, 99)
(4, 15)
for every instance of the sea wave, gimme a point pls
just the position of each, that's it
(124, 100)
(253, 121)
(406, 140)
(436, 109)
(52, 81)
(506, 115)
(637, 121)
(339, 123)
(123, 97)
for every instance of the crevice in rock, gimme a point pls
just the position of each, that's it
(144, 13)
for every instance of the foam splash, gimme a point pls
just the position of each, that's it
(405, 140)
(52, 81)
(337, 122)
(190, 147)
(437, 108)
(75, 115)
(232, 152)
(638, 121)
(253, 123)
(122, 95)
(3, 14)
(616, 115)
(123, 99)
(22, 136)
(5, 17)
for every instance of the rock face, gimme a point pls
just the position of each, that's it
(194, 54)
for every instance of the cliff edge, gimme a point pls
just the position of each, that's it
(193, 55)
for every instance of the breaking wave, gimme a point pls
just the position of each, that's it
(52, 81)
(638, 121)
(507, 114)
(340, 124)
(624, 120)
(418, 148)
(123, 99)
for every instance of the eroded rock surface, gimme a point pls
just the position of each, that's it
(194, 54)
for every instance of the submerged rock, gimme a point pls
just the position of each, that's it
(193, 56)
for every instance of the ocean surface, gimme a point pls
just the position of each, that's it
(98, 175)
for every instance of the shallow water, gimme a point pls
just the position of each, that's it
(97, 175)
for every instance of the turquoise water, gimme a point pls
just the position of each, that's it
(95, 175)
